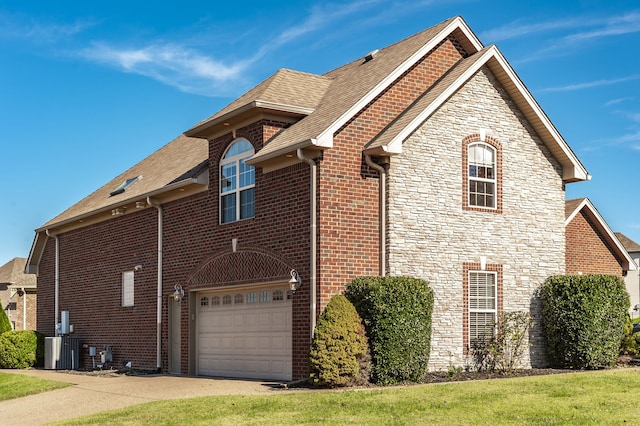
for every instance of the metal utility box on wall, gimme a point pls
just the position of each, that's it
(61, 353)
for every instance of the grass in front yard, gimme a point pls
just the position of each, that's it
(17, 385)
(597, 398)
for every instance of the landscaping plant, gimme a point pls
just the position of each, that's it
(502, 350)
(584, 318)
(21, 349)
(5, 324)
(397, 316)
(629, 345)
(339, 352)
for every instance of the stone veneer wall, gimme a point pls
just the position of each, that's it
(430, 236)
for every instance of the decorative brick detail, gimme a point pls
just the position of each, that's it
(587, 250)
(250, 265)
(466, 268)
(465, 173)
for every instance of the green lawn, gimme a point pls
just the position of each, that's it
(596, 398)
(17, 385)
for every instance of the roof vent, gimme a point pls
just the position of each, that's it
(371, 55)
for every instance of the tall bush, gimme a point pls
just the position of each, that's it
(21, 349)
(397, 316)
(339, 352)
(5, 324)
(584, 318)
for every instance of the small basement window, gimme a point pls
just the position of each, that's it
(127, 183)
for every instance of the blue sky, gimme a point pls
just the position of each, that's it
(87, 89)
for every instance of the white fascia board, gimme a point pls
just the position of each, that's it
(326, 137)
(257, 158)
(575, 212)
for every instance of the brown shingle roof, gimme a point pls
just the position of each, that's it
(570, 206)
(351, 83)
(161, 168)
(286, 89)
(628, 243)
(12, 273)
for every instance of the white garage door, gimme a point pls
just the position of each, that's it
(245, 333)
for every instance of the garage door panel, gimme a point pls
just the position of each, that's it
(250, 339)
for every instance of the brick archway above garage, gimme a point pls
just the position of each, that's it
(246, 266)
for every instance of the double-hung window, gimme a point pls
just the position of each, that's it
(482, 175)
(483, 304)
(237, 182)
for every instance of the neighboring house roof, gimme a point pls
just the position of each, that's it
(177, 170)
(573, 207)
(628, 243)
(12, 273)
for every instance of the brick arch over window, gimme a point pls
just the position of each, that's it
(245, 266)
(466, 142)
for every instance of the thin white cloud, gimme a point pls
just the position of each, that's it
(613, 26)
(191, 71)
(15, 27)
(174, 65)
(617, 101)
(590, 84)
(520, 29)
(563, 35)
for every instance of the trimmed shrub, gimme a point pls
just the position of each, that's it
(584, 318)
(5, 324)
(397, 316)
(21, 349)
(339, 353)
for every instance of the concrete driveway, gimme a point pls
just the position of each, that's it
(91, 394)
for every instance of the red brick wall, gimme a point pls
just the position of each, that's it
(587, 251)
(93, 258)
(349, 201)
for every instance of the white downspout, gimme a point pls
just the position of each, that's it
(312, 230)
(383, 212)
(56, 291)
(159, 301)
(24, 308)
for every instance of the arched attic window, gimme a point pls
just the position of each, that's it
(237, 182)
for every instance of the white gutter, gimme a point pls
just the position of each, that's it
(159, 301)
(382, 213)
(56, 292)
(312, 230)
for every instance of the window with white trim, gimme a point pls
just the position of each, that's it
(482, 175)
(127, 288)
(483, 304)
(237, 182)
